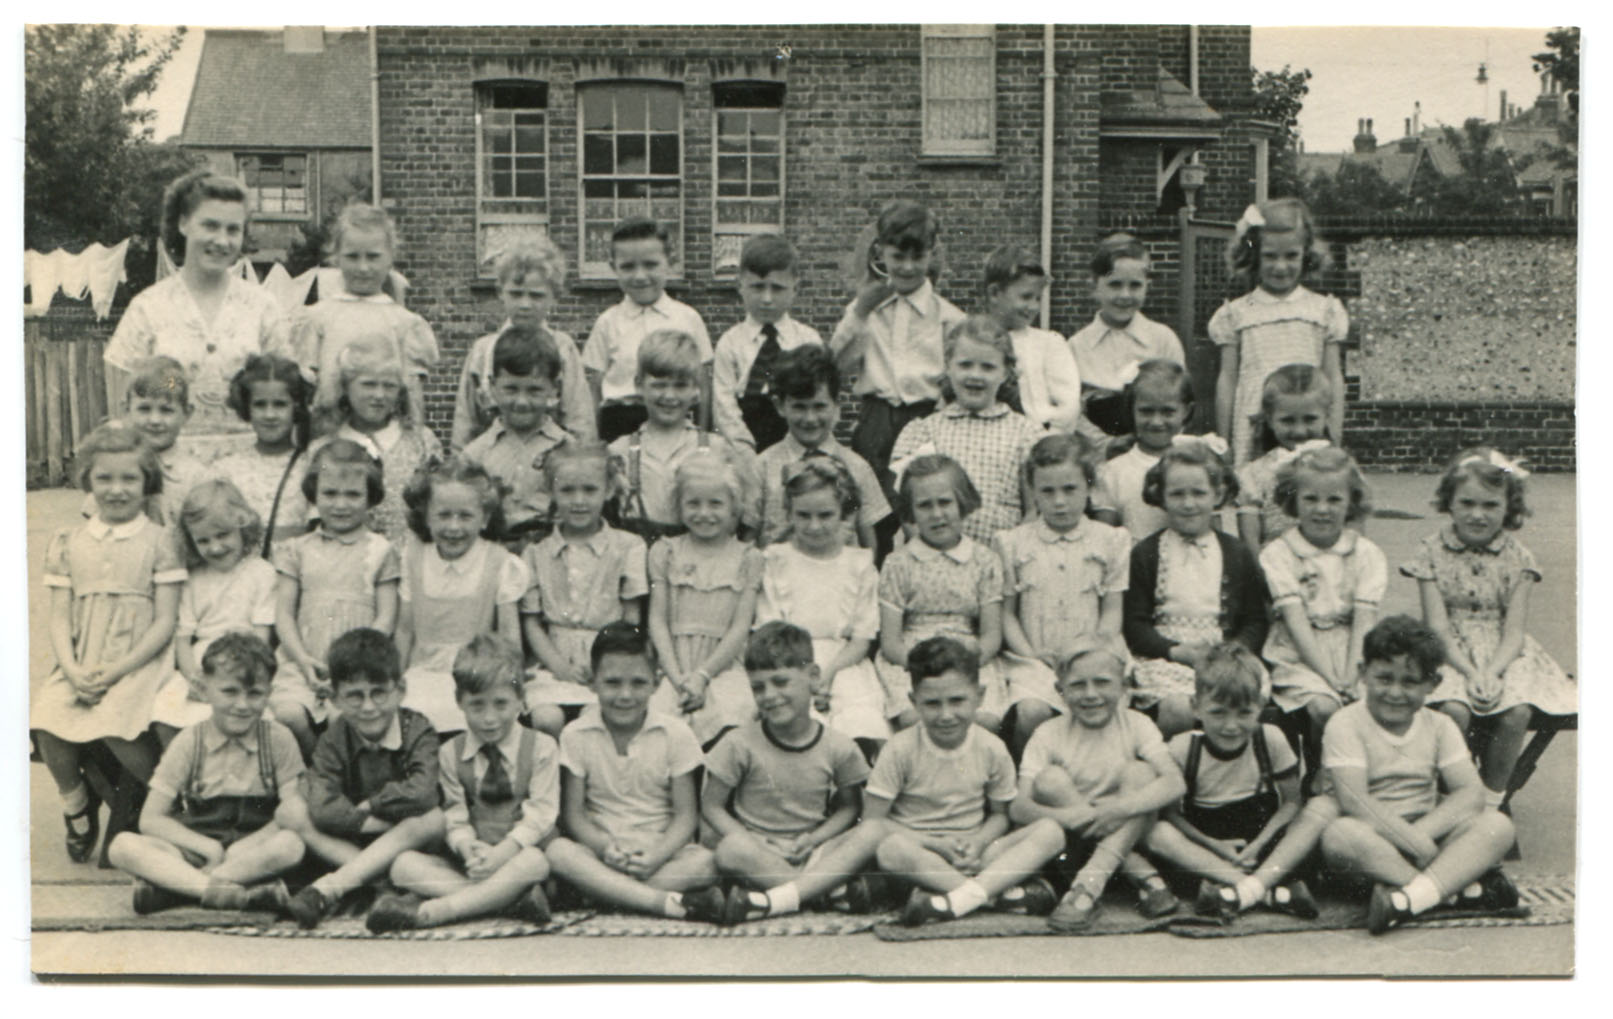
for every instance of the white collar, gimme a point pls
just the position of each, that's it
(392, 739)
(661, 306)
(1260, 295)
(961, 553)
(1305, 550)
(100, 530)
(509, 746)
(953, 409)
(595, 543)
(754, 328)
(548, 430)
(379, 297)
(1052, 537)
(465, 564)
(1204, 541)
(921, 299)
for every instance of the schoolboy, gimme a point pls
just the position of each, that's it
(796, 788)
(805, 391)
(890, 335)
(1411, 803)
(630, 804)
(157, 404)
(500, 787)
(943, 788)
(1045, 374)
(1240, 826)
(747, 355)
(526, 372)
(667, 379)
(372, 787)
(1101, 772)
(641, 258)
(529, 278)
(207, 831)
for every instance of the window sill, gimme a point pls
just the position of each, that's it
(930, 159)
(589, 284)
(280, 217)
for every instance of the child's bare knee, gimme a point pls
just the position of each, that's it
(293, 815)
(531, 865)
(895, 852)
(125, 845)
(1516, 718)
(286, 849)
(549, 718)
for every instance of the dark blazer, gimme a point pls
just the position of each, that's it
(398, 783)
(1245, 601)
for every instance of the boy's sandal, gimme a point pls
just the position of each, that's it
(269, 896)
(149, 898)
(83, 829)
(1498, 891)
(394, 913)
(309, 906)
(1157, 902)
(1211, 902)
(1382, 913)
(706, 905)
(924, 906)
(1295, 899)
(532, 906)
(1039, 899)
(1070, 916)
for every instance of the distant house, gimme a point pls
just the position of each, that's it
(288, 112)
(1405, 163)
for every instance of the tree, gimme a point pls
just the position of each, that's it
(1561, 61)
(1487, 185)
(1278, 98)
(92, 171)
(1355, 189)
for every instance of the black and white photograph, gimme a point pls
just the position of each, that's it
(842, 500)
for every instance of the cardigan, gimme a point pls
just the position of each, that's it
(1245, 602)
(346, 771)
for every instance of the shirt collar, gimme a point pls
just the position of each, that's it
(1129, 330)
(379, 297)
(595, 543)
(1204, 541)
(509, 746)
(1453, 542)
(382, 439)
(591, 718)
(465, 564)
(352, 537)
(791, 447)
(661, 306)
(952, 409)
(1305, 550)
(549, 430)
(753, 328)
(392, 739)
(213, 738)
(100, 530)
(1052, 537)
(920, 300)
(1260, 295)
(961, 553)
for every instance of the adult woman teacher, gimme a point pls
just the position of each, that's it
(205, 316)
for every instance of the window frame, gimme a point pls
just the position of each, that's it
(254, 193)
(744, 230)
(957, 148)
(677, 269)
(540, 219)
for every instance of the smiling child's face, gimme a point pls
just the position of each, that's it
(1323, 502)
(1190, 499)
(578, 494)
(491, 714)
(455, 518)
(1120, 293)
(158, 418)
(117, 484)
(977, 370)
(1478, 511)
(369, 704)
(783, 695)
(1394, 690)
(810, 419)
(946, 706)
(624, 684)
(816, 526)
(1091, 688)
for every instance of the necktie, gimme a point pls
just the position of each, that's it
(761, 370)
(495, 787)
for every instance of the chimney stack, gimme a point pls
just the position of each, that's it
(1364, 140)
(1503, 104)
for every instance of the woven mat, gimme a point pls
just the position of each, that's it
(617, 925)
(1545, 900)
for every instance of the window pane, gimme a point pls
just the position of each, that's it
(764, 123)
(729, 123)
(596, 244)
(597, 110)
(529, 139)
(731, 168)
(630, 154)
(764, 168)
(764, 189)
(600, 209)
(664, 104)
(761, 144)
(598, 155)
(732, 143)
(664, 153)
(497, 139)
(529, 185)
(630, 110)
(632, 189)
(598, 189)
(665, 210)
(732, 188)
(732, 212)
(766, 212)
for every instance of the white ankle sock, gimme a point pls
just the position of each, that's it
(674, 906)
(75, 800)
(1422, 894)
(966, 898)
(785, 898)
(1493, 797)
(1250, 890)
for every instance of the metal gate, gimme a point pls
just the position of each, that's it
(1204, 287)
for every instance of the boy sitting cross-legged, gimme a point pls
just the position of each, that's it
(207, 831)
(372, 789)
(629, 792)
(943, 788)
(796, 786)
(1412, 803)
(1101, 772)
(500, 793)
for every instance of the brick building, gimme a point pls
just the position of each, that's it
(489, 133)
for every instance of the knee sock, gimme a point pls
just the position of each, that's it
(966, 898)
(75, 800)
(785, 898)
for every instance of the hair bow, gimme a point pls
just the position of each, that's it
(1289, 456)
(1252, 216)
(1211, 441)
(1128, 374)
(1500, 461)
(899, 467)
(368, 443)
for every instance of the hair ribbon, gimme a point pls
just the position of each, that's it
(1210, 441)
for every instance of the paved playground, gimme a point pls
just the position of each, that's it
(1545, 813)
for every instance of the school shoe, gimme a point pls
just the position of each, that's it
(1070, 917)
(532, 907)
(393, 913)
(855, 896)
(706, 905)
(1157, 902)
(1496, 891)
(1298, 902)
(83, 829)
(1038, 899)
(149, 898)
(309, 906)
(1210, 902)
(1382, 913)
(922, 908)
(268, 896)
(739, 907)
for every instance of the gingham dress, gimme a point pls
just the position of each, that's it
(991, 446)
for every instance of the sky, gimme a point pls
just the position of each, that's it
(1358, 72)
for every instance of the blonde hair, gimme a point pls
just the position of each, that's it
(669, 353)
(709, 465)
(217, 498)
(372, 355)
(534, 257)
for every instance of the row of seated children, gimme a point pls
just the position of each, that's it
(792, 812)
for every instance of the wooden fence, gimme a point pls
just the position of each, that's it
(66, 391)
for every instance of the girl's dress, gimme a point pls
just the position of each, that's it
(112, 572)
(836, 601)
(1186, 590)
(1257, 494)
(1120, 488)
(451, 601)
(940, 593)
(258, 477)
(320, 331)
(703, 587)
(990, 446)
(1332, 583)
(1477, 584)
(337, 575)
(164, 319)
(1269, 332)
(403, 450)
(577, 587)
(1060, 579)
(212, 604)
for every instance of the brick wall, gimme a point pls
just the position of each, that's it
(1422, 435)
(852, 142)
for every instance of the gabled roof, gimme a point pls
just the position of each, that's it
(1168, 110)
(1397, 167)
(251, 93)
